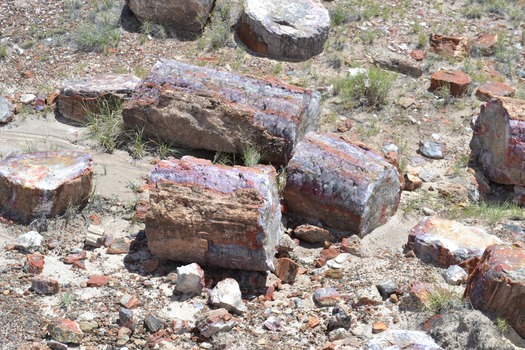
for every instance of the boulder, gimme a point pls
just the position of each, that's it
(498, 143)
(497, 284)
(199, 107)
(65, 331)
(214, 215)
(457, 47)
(227, 294)
(44, 184)
(81, 97)
(344, 185)
(6, 110)
(294, 30)
(401, 339)
(457, 81)
(190, 279)
(487, 91)
(445, 243)
(176, 16)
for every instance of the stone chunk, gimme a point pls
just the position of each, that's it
(449, 45)
(497, 284)
(95, 236)
(34, 263)
(485, 44)
(199, 107)
(457, 81)
(498, 143)
(216, 321)
(432, 149)
(65, 331)
(344, 185)
(127, 318)
(80, 97)
(487, 91)
(29, 241)
(190, 279)
(152, 323)
(401, 339)
(444, 242)
(177, 16)
(97, 281)
(227, 294)
(44, 184)
(6, 110)
(312, 234)
(296, 30)
(455, 275)
(396, 62)
(326, 297)
(214, 215)
(286, 269)
(44, 285)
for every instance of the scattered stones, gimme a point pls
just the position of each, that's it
(387, 289)
(98, 281)
(455, 80)
(127, 318)
(444, 242)
(494, 89)
(129, 301)
(227, 295)
(286, 269)
(432, 149)
(368, 296)
(198, 107)
(453, 192)
(44, 285)
(325, 297)
(190, 279)
(379, 327)
(401, 339)
(497, 143)
(326, 254)
(119, 246)
(344, 185)
(177, 17)
(455, 275)
(273, 323)
(313, 234)
(152, 323)
(34, 263)
(496, 284)
(65, 331)
(339, 319)
(216, 321)
(296, 32)
(123, 336)
(80, 97)
(457, 47)
(44, 184)
(6, 110)
(95, 236)
(187, 221)
(485, 44)
(353, 246)
(30, 241)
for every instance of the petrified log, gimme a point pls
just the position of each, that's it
(44, 184)
(445, 243)
(214, 215)
(81, 96)
(198, 107)
(457, 81)
(449, 45)
(344, 185)
(497, 284)
(498, 143)
(292, 30)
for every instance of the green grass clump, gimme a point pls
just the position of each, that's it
(92, 37)
(489, 212)
(439, 300)
(106, 126)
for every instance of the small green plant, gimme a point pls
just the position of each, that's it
(367, 89)
(98, 38)
(3, 52)
(219, 32)
(491, 213)
(341, 14)
(106, 126)
(368, 36)
(444, 95)
(416, 27)
(281, 181)
(439, 300)
(473, 11)
(277, 68)
(460, 164)
(422, 40)
(66, 300)
(251, 156)
(224, 158)
(138, 149)
(502, 324)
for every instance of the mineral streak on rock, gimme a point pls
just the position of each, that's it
(346, 186)
(497, 284)
(214, 215)
(498, 143)
(44, 184)
(81, 96)
(294, 30)
(199, 107)
(445, 243)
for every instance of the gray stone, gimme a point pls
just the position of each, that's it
(339, 319)
(95, 236)
(44, 286)
(127, 318)
(397, 62)
(202, 108)
(190, 279)
(455, 275)
(227, 295)
(326, 297)
(432, 149)
(6, 110)
(27, 98)
(294, 30)
(313, 234)
(215, 321)
(387, 289)
(402, 339)
(273, 323)
(29, 241)
(428, 175)
(152, 323)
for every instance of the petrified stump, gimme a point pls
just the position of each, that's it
(445, 243)
(198, 107)
(81, 96)
(498, 143)
(455, 80)
(44, 184)
(214, 215)
(497, 284)
(292, 30)
(176, 16)
(345, 186)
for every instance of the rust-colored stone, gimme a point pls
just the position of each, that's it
(485, 44)
(457, 81)
(326, 254)
(97, 281)
(378, 327)
(286, 269)
(35, 263)
(449, 45)
(418, 55)
(495, 89)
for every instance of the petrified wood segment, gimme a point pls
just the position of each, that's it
(497, 284)
(498, 143)
(81, 96)
(198, 107)
(346, 186)
(214, 215)
(44, 184)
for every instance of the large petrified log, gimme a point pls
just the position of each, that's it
(444, 242)
(345, 186)
(497, 284)
(44, 184)
(198, 107)
(498, 143)
(214, 215)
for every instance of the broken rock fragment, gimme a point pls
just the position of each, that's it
(199, 107)
(44, 285)
(455, 80)
(487, 91)
(227, 294)
(449, 45)
(190, 279)
(44, 184)
(344, 185)
(6, 110)
(65, 331)
(214, 215)
(312, 234)
(216, 321)
(80, 97)
(444, 242)
(401, 339)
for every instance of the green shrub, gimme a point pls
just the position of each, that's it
(367, 89)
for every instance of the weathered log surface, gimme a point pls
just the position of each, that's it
(44, 184)
(214, 215)
(198, 107)
(345, 186)
(498, 143)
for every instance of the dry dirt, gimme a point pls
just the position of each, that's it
(40, 51)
